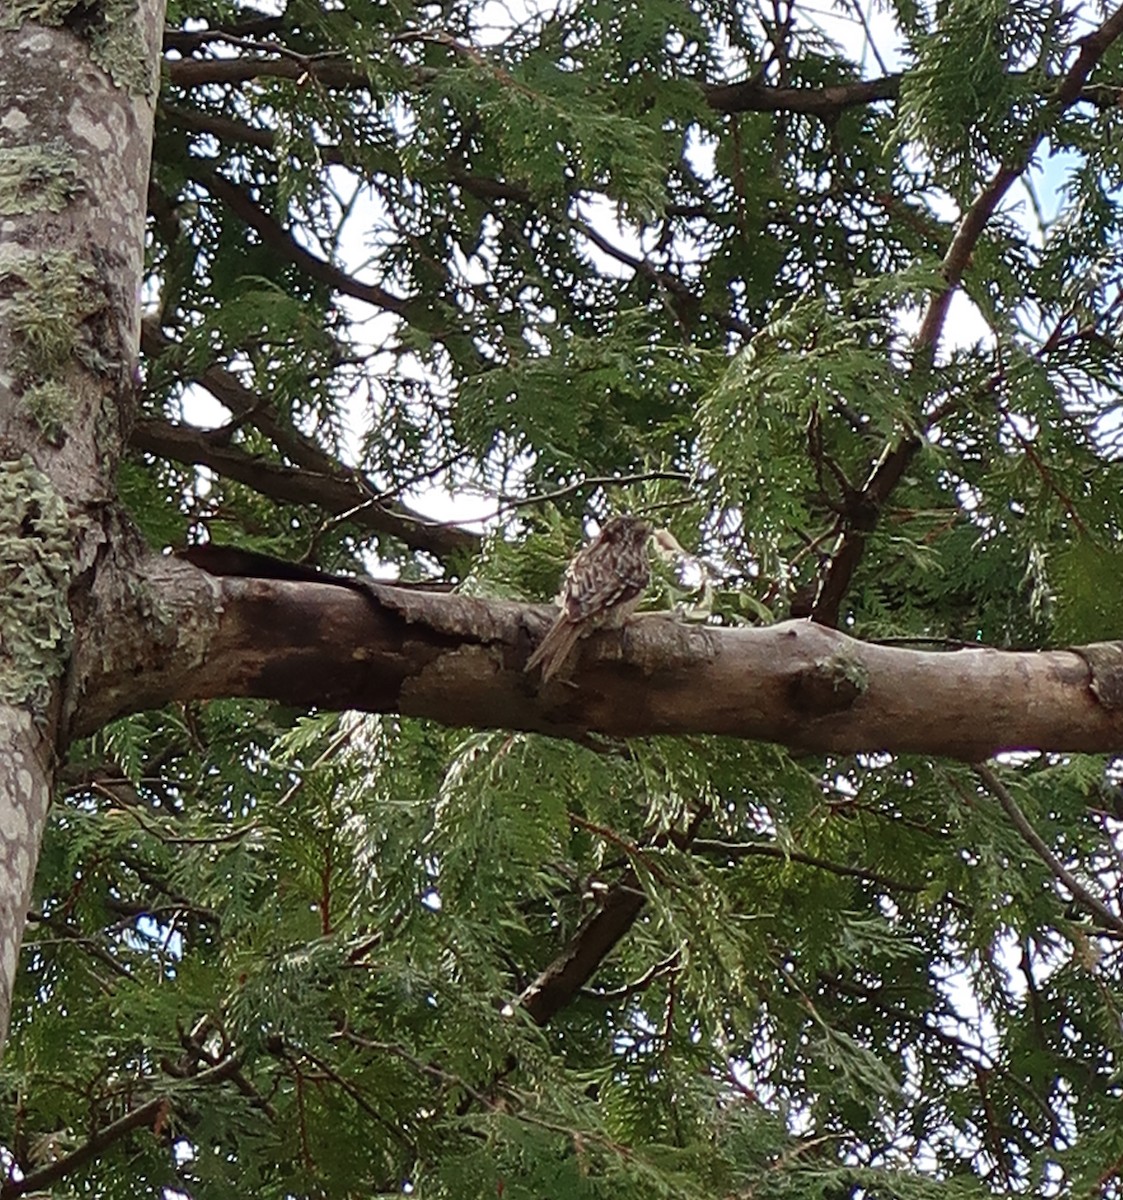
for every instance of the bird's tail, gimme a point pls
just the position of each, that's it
(555, 648)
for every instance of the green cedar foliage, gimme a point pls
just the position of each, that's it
(523, 256)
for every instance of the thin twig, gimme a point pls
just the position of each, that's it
(507, 503)
(634, 852)
(357, 1096)
(668, 966)
(490, 1104)
(67, 934)
(1032, 838)
(769, 850)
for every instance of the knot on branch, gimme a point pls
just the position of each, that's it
(829, 685)
(1105, 664)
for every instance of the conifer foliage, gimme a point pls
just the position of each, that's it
(831, 292)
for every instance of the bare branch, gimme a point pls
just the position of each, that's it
(148, 1113)
(587, 949)
(754, 95)
(187, 42)
(336, 492)
(277, 237)
(331, 71)
(1092, 904)
(656, 971)
(66, 932)
(888, 472)
(248, 406)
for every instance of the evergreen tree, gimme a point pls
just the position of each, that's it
(335, 899)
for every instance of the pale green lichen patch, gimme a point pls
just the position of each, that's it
(54, 309)
(110, 28)
(51, 404)
(38, 178)
(52, 304)
(36, 563)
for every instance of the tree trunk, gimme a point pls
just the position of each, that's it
(77, 95)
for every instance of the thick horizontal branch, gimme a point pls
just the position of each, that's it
(461, 661)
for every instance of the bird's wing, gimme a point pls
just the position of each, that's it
(596, 584)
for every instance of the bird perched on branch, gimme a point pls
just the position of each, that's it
(602, 586)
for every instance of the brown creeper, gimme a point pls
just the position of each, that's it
(602, 586)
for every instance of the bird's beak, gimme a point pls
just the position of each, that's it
(667, 546)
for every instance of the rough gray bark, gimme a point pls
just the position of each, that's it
(460, 661)
(77, 92)
(25, 792)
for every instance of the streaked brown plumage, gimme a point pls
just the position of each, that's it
(602, 587)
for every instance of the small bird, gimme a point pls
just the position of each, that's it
(602, 587)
